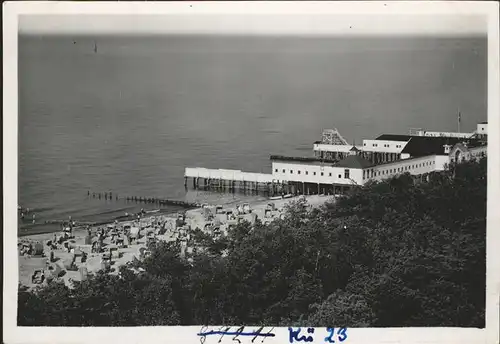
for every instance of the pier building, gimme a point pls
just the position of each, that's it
(337, 166)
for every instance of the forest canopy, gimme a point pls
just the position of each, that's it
(401, 252)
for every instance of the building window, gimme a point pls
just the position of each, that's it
(276, 170)
(330, 174)
(307, 173)
(298, 172)
(291, 171)
(364, 144)
(283, 170)
(314, 173)
(340, 176)
(321, 174)
(346, 173)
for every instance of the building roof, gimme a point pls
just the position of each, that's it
(393, 137)
(301, 159)
(325, 147)
(483, 123)
(354, 161)
(433, 145)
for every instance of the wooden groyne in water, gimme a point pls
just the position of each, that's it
(141, 199)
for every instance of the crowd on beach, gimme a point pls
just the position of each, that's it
(88, 249)
(75, 251)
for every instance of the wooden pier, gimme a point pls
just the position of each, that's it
(220, 179)
(231, 180)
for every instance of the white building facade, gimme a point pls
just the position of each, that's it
(338, 165)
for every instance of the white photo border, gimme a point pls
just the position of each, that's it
(188, 334)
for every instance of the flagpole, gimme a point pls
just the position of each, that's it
(459, 119)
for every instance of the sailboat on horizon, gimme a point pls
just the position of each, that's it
(95, 47)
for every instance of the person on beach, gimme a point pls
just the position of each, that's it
(33, 218)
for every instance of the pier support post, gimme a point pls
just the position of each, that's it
(185, 181)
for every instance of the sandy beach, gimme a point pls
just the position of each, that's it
(149, 226)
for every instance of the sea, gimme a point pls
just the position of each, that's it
(127, 114)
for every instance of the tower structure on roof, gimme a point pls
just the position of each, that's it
(333, 137)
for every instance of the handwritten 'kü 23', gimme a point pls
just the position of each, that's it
(332, 335)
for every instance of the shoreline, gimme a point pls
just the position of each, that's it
(193, 218)
(83, 224)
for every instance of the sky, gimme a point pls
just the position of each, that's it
(254, 24)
